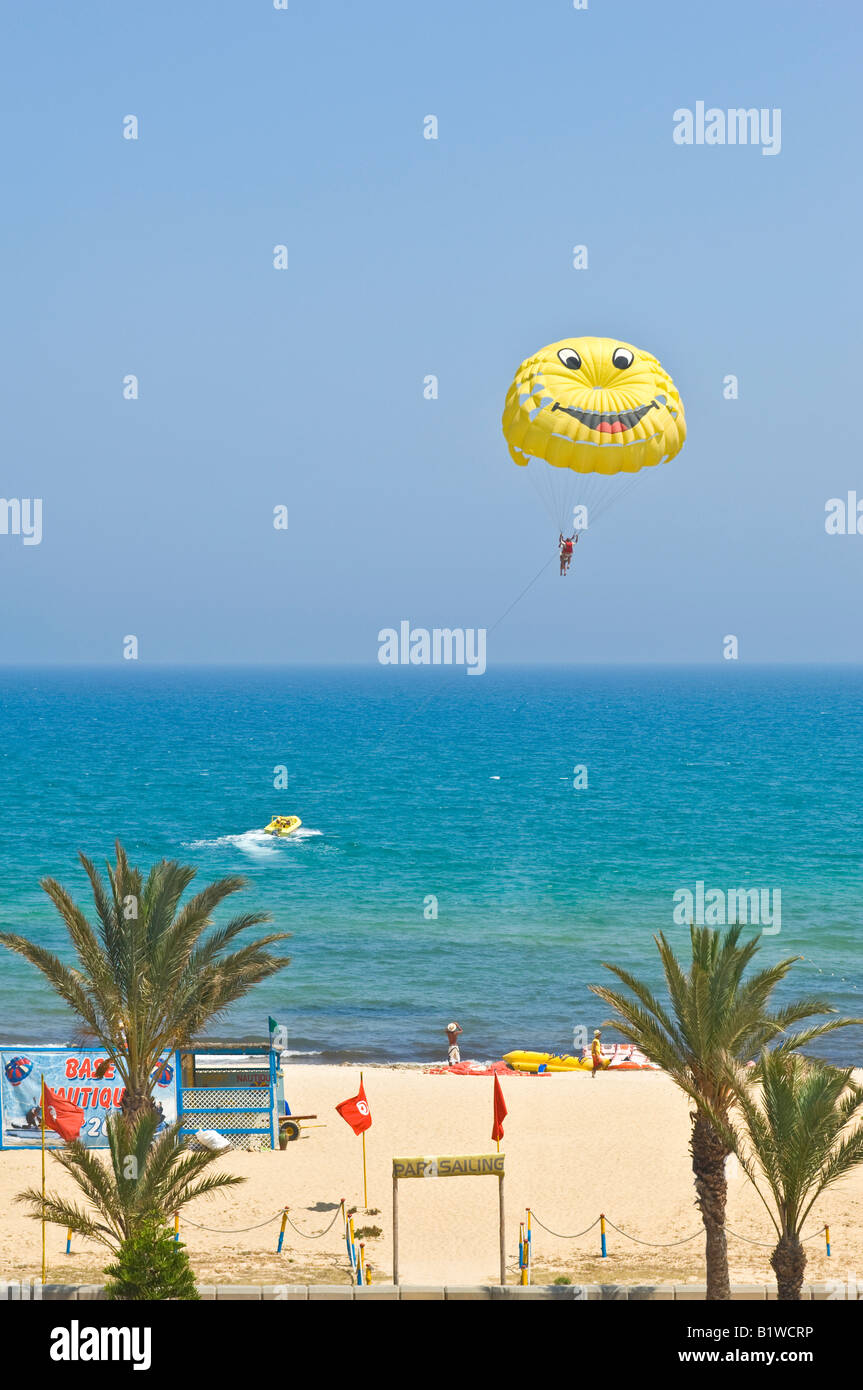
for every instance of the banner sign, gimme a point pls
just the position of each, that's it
(458, 1166)
(69, 1072)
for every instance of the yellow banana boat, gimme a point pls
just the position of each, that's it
(615, 1057)
(283, 825)
(532, 1061)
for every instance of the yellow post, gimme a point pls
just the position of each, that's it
(365, 1182)
(43, 1177)
(529, 1247)
(176, 1225)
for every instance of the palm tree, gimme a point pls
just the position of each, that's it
(150, 976)
(148, 1178)
(716, 1022)
(799, 1140)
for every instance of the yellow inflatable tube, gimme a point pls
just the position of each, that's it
(532, 1061)
(615, 1057)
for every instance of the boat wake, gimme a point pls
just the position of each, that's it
(254, 842)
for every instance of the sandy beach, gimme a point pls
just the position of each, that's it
(574, 1147)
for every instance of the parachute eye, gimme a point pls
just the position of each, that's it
(570, 358)
(622, 358)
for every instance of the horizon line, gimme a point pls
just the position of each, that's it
(451, 668)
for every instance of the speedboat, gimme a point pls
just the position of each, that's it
(283, 825)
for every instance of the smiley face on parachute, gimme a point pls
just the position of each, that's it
(595, 405)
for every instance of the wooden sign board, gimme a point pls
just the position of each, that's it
(450, 1166)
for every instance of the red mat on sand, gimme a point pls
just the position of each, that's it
(476, 1069)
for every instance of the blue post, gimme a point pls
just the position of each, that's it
(282, 1231)
(827, 1237)
(602, 1234)
(69, 1243)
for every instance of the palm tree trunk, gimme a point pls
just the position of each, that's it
(134, 1109)
(708, 1164)
(789, 1265)
(135, 1104)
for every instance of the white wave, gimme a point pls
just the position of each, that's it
(254, 842)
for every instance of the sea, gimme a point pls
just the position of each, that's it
(472, 848)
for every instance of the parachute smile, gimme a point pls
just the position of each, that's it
(617, 423)
(584, 417)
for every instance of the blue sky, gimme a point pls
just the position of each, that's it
(408, 257)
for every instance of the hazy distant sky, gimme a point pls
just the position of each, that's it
(407, 257)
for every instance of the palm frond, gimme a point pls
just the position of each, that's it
(148, 1174)
(155, 971)
(799, 1132)
(59, 1211)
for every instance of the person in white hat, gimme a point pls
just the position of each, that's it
(452, 1035)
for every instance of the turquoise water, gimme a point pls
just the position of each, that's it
(420, 783)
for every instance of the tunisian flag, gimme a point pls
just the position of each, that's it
(356, 1111)
(499, 1112)
(61, 1115)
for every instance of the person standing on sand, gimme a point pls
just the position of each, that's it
(452, 1035)
(596, 1054)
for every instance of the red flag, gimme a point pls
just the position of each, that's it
(356, 1111)
(62, 1116)
(499, 1112)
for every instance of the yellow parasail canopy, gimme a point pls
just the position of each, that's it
(595, 407)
